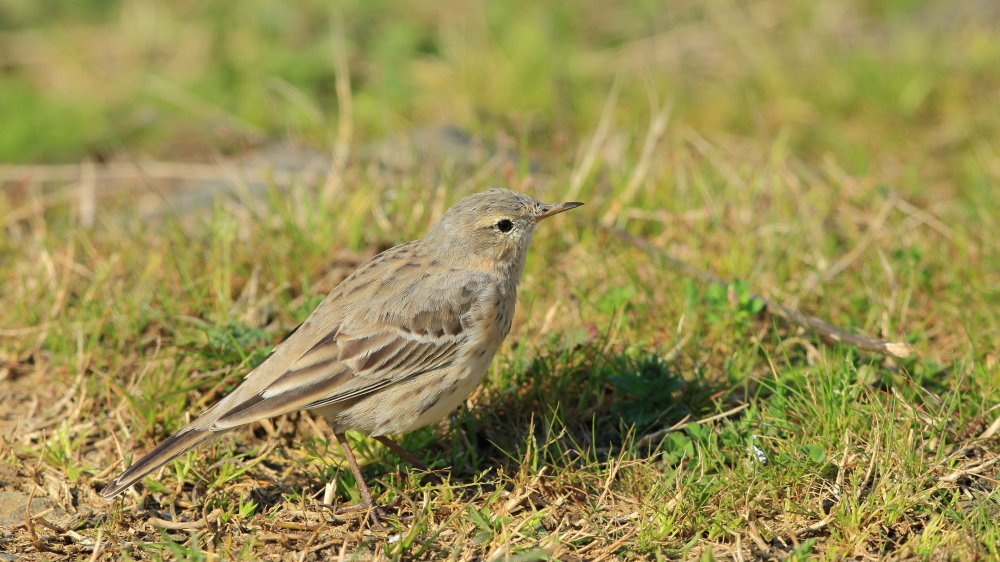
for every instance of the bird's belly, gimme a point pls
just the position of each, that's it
(411, 404)
(441, 402)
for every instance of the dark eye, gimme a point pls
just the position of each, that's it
(505, 225)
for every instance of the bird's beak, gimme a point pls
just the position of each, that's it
(554, 209)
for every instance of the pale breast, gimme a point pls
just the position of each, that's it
(411, 404)
(429, 397)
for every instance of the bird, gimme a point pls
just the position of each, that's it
(397, 345)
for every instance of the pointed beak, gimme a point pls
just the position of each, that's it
(547, 211)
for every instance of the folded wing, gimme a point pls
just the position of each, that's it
(362, 356)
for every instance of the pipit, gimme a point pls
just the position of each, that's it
(397, 345)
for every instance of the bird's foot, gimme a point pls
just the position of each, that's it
(376, 512)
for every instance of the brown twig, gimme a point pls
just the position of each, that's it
(177, 525)
(97, 546)
(969, 470)
(994, 427)
(185, 525)
(610, 550)
(29, 522)
(825, 330)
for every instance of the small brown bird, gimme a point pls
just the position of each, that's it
(397, 345)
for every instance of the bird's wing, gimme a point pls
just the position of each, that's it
(368, 351)
(346, 349)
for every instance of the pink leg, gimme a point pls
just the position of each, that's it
(399, 450)
(366, 497)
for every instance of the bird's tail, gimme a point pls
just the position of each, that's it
(171, 448)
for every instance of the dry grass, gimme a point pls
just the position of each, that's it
(838, 157)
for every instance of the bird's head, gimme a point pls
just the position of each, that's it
(493, 228)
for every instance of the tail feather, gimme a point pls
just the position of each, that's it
(171, 448)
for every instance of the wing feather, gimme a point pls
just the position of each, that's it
(351, 362)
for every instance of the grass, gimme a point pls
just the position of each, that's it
(839, 157)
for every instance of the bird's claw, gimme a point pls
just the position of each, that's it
(377, 512)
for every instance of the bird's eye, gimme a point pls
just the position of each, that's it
(505, 225)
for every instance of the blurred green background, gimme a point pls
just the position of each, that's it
(170, 79)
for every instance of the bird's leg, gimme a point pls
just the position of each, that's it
(366, 497)
(407, 456)
(402, 452)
